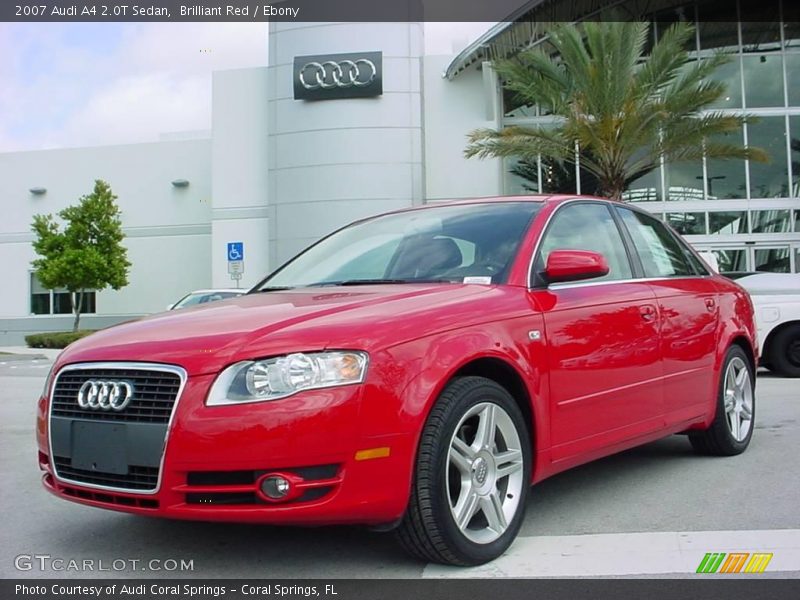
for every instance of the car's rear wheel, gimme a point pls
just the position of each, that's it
(471, 478)
(733, 424)
(785, 351)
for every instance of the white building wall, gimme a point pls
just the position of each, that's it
(451, 110)
(167, 228)
(334, 161)
(240, 173)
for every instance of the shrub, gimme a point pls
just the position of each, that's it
(56, 339)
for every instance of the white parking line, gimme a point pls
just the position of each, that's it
(619, 554)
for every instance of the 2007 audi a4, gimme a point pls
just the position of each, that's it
(415, 371)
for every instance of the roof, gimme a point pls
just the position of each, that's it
(484, 48)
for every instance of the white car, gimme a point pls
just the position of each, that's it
(203, 296)
(776, 297)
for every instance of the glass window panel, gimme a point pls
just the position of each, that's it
(727, 223)
(769, 180)
(664, 19)
(660, 252)
(522, 177)
(797, 260)
(763, 80)
(646, 188)
(791, 23)
(40, 304)
(773, 260)
(726, 177)
(718, 24)
(731, 261)
(684, 181)
(770, 221)
(793, 78)
(730, 74)
(559, 178)
(688, 223)
(761, 29)
(794, 142)
(36, 285)
(89, 303)
(797, 221)
(61, 303)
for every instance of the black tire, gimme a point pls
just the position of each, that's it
(428, 530)
(784, 351)
(718, 440)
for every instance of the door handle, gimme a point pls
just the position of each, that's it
(711, 304)
(648, 312)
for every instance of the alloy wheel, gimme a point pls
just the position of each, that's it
(484, 473)
(738, 400)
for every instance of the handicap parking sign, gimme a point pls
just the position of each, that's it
(235, 251)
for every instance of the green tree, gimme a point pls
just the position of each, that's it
(88, 254)
(625, 109)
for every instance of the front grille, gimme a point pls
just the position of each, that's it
(137, 478)
(154, 394)
(110, 498)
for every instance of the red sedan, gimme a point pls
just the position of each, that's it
(415, 371)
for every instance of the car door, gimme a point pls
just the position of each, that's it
(687, 302)
(601, 337)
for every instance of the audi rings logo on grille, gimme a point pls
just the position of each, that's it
(105, 395)
(355, 75)
(344, 74)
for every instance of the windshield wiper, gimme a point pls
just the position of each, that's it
(375, 282)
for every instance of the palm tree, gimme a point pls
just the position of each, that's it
(624, 109)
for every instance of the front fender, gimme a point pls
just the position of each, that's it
(411, 376)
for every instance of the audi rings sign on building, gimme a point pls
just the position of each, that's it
(334, 76)
(105, 395)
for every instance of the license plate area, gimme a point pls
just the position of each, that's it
(100, 447)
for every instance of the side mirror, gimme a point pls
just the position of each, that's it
(574, 265)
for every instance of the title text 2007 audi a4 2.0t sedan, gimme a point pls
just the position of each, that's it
(417, 371)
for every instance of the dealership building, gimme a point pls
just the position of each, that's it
(353, 119)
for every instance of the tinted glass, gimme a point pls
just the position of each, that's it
(661, 254)
(772, 260)
(688, 223)
(726, 178)
(731, 260)
(769, 180)
(727, 222)
(444, 243)
(763, 80)
(771, 221)
(587, 227)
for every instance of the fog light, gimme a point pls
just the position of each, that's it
(275, 487)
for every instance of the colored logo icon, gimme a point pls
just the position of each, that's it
(735, 562)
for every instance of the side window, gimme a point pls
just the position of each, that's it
(587, 227)
(660, 252)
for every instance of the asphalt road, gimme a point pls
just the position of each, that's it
(647, 512)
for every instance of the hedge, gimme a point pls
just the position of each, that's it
(56, 339)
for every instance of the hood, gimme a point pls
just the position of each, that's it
(206, 338)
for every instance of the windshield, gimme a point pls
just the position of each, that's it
(447, 244)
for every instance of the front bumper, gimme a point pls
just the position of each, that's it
(214, 457)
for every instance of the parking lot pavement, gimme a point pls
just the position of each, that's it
(651, 511)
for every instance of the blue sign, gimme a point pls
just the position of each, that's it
(235, 251)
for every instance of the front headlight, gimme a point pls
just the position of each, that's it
(273, 378)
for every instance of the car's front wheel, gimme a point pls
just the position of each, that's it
(472, 476)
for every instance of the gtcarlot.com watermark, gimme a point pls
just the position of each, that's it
(48, 563)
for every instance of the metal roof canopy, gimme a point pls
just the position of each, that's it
(526, 26)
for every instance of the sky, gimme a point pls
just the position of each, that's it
(86, 84)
